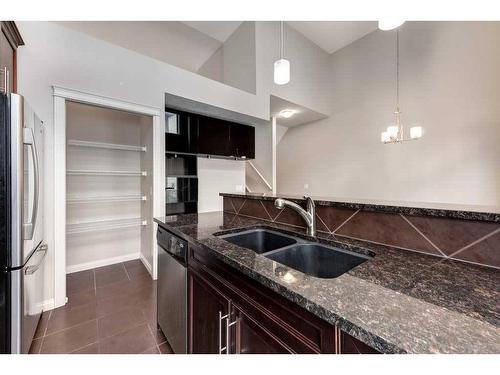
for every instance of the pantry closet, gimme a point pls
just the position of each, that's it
(109, 186)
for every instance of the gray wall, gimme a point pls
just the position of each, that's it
(450, 85)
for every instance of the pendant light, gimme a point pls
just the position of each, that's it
(395, 133)
(281, 66)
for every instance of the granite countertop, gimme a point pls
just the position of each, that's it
(397, 302)
(465, 212)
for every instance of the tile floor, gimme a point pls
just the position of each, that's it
(110, 309)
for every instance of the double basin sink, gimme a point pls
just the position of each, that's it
(311, 258)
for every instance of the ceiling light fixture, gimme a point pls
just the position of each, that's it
(287, 113)
(281, 66)
(389, 24)
(395, 133)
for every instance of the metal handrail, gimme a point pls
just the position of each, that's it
(260, 175)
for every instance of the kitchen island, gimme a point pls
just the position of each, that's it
(395, 302)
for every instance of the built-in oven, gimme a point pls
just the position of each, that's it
(172, 289)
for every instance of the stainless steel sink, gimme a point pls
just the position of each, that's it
(260, 240)
(317, 260)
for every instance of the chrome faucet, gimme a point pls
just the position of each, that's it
(309, 216)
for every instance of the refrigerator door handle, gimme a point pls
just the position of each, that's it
(30, 270)
(29, 140)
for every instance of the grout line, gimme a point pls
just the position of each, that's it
(47, 326)
(475, 242)
(393, 246)
(277, 216)
(423, 235)
(126, 272)
(92, 343)
(326, 226)
(231, 201)
(265, 209)
(74, 326)
(345, 222)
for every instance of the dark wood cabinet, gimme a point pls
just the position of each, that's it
(213, 136)
(189, 133)
(207, 309)
(254, 318)
(349, 345)
(242, 141)
(10, 40)
(180, 132)
(250, 337)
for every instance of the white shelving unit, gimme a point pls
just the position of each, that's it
(104, 199)
(102, 225)
(109, 146)
(90, 172)
(109, 169)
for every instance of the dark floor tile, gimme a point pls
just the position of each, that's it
(79, 281)
(66, 317)
(135, 340)
(152, 350)
(110, 275)
(158, 334)
(42, 324)
(89, 349)
(165, 348)
(120, 321)
(35, 346)
(81, 298)
(71, 339)
(115, 304)
(137, 271)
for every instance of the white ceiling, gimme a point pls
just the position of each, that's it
(333, 35)
(329, 35)
(219, 30)
(302, 114)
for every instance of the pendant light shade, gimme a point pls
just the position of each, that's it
(281, 71)
(281, 66)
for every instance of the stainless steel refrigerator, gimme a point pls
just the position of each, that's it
(22, 246)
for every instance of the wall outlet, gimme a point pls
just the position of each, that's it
(306, 186)
(239, 188)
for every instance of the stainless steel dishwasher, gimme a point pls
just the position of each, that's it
(172, 289)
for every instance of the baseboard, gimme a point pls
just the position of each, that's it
(104, 262)
(48, 304)
(147, 264)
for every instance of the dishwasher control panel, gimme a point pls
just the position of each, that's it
(173, 245)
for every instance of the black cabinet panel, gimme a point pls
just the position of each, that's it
(196, 134)
(213, 136)
(181, 132)
(242, 139)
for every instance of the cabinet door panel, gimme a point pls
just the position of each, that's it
(252, 338)
(206, 304)
(350, 345)
(213, 137)
(243, 141)
(7, 61)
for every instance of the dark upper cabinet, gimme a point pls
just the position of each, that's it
(242, 141)
(10, 40)
(181, 130)
(196, 134)
(213, 136)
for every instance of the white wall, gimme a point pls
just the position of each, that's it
(55, 55)
(450, 85)
(168, 41)
(216, 176)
